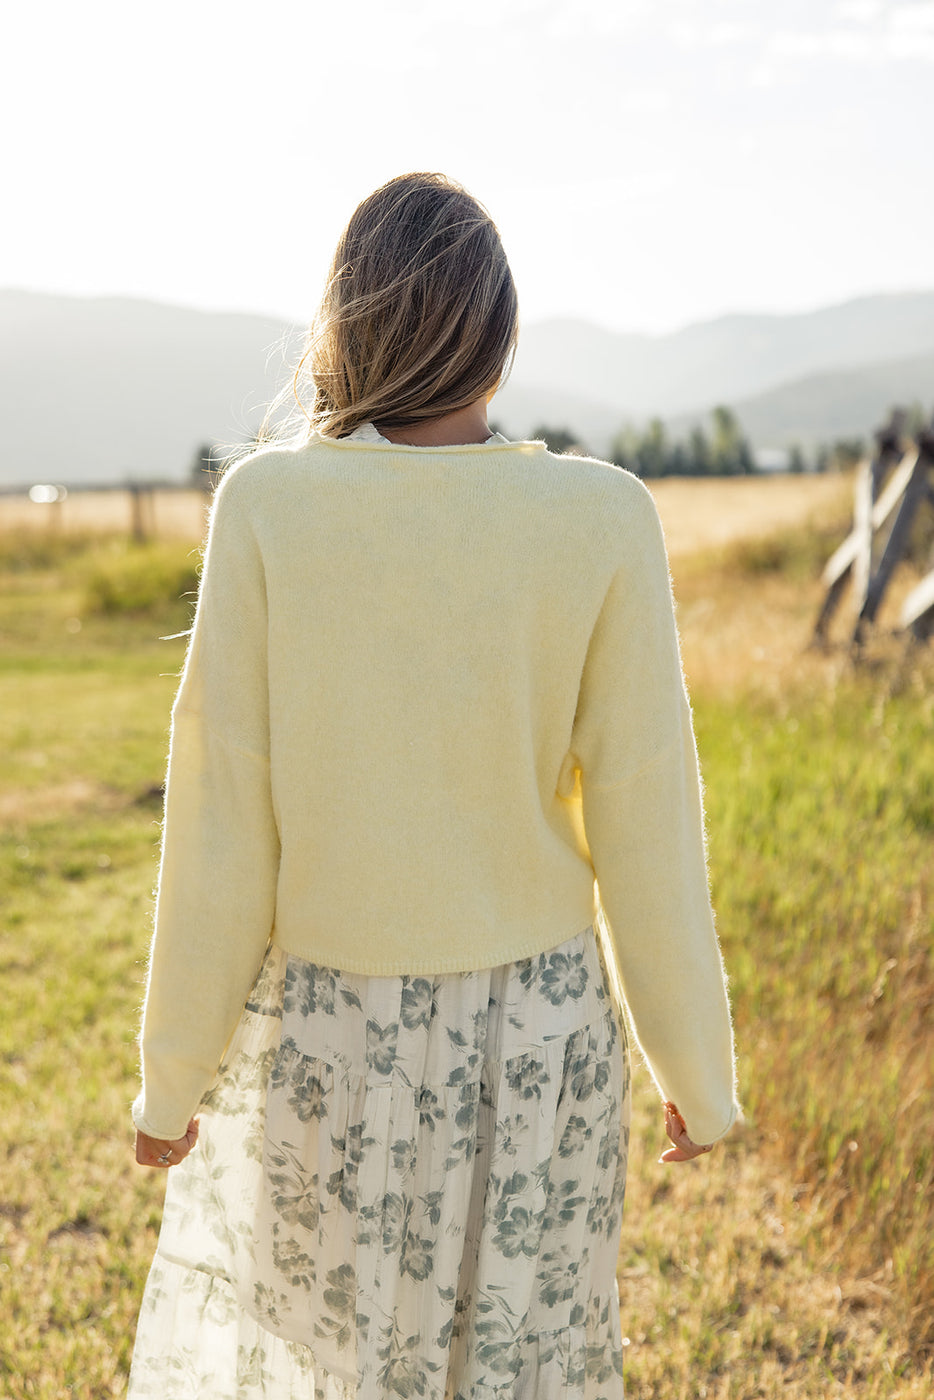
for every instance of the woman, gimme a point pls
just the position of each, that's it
(433, 689)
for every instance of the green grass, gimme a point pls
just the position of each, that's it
(796, 1261)
(135, 578)
(822, 851)
(85, 715)
(76, 1222)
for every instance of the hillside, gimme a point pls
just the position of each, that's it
(110, 389)
(823, 407)
(721, 361)
(104, 390)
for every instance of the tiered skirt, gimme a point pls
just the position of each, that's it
(403, 1187)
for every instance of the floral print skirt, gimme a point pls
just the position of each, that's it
(403, 1186)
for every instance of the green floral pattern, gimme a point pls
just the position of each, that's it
(403, 1187)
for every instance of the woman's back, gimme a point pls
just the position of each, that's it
(428, 616)
(417, 677)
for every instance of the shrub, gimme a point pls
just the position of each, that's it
(798, 553)
(29, 551)
(130, 578)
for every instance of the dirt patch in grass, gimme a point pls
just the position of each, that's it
(25, 806)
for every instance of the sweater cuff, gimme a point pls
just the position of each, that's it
(736, 1116)
(166, 1130)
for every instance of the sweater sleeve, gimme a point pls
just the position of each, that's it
(220, 850)
(644, 823)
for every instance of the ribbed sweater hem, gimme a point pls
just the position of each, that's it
(332, 956)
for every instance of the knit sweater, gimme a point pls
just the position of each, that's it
(430, 694)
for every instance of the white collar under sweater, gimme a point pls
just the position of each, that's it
(368, 432)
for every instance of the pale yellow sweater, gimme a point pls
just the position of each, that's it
(429, 693)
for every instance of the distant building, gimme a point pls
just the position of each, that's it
(772, 459)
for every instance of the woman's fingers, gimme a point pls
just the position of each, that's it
(684, 1150)
(673, 1154)
(158, 1152)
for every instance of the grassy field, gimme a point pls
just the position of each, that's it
(796, 1261)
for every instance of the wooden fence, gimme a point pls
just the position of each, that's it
(891, 488)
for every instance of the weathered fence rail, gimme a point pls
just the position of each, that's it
(890, 490)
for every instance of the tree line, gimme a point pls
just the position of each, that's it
(720, 450)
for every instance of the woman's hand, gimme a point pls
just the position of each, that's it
(684, 1149)
(156, 1152)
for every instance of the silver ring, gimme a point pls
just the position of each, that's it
(164, 1159)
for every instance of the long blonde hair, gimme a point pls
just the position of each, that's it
(419, 316)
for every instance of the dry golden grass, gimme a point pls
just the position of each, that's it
(700, 515)
(747, 623)
(166, 514)
(731, 1290)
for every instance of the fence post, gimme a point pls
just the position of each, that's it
(895, 547)
(137, 520)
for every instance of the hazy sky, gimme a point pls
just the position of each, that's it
(649, 164)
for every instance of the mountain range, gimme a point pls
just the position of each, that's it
(100, 390)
